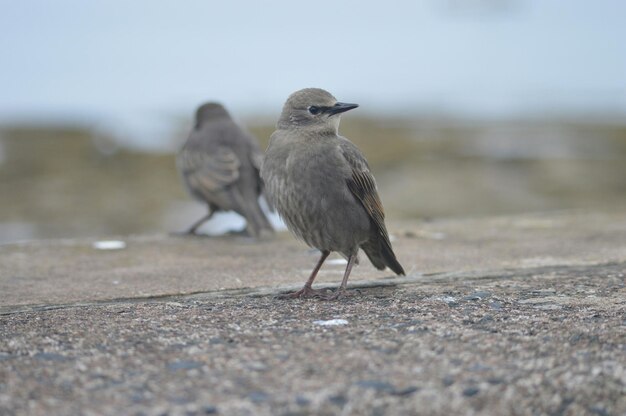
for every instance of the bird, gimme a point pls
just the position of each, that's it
(321, 185)
(219, 164)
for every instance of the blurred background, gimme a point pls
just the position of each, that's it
(468, 107)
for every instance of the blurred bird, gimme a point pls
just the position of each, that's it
(322, 187)
(220, 165)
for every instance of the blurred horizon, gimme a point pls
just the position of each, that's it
(467, 107)
(136, 68)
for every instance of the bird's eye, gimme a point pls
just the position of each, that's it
(314, 110)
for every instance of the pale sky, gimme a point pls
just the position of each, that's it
(148, 59)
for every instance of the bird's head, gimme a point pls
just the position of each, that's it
(210, 111)
(313, 108)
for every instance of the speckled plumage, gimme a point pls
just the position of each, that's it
(321, 185)
(219, 164)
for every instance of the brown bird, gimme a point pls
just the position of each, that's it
(219, 164)
(322, 187)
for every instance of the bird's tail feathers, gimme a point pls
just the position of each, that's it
(380, 253)
(257, 223)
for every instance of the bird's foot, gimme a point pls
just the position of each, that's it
(304, 293)
(340, 294)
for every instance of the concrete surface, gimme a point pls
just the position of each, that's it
(509, 315)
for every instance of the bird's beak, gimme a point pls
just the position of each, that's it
(340, 108)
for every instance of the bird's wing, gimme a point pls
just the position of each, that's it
(363, 186)
(209, 172)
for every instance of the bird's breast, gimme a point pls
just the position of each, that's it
(310, 192)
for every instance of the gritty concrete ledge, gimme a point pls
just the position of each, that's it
(507, 315)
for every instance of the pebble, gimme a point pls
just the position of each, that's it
(109, 245)
(386, 387)
(495, 380)
(184, 365)
(405, 391)
(477, 296)
(376, 385)
(599, 410)
(50, 356)
(471, 391)
(548, 307)
(338, 399)
(450, 301)
(447, 381)
(331, 322)
(302, 401)
(257, 366)
(258, 396)
(478, 367)
(496, 305)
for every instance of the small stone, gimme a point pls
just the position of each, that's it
(209, 410)
(495, 380)
(375, 385)
(405, 391)
(50, 356)
(109, 245)
(183, 365)
(410, 323)
(495, 305)
(471, 391)
(302, 401)
(447, 381)
(451, 301)
(180, 400)
(544, 292)
(338, 399)
(378, 411)
(477, 296)
(574, 339)
(598, 410)
(258, 396)
(331, 322)
(478, 367)
(257, 366)
(448, 299)
(548, 307)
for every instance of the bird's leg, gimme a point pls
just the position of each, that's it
(307, 291)
(342, 292)
(194, 227)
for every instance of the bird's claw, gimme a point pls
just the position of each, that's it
(322, 294)
(341, 294)
(304, 293)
